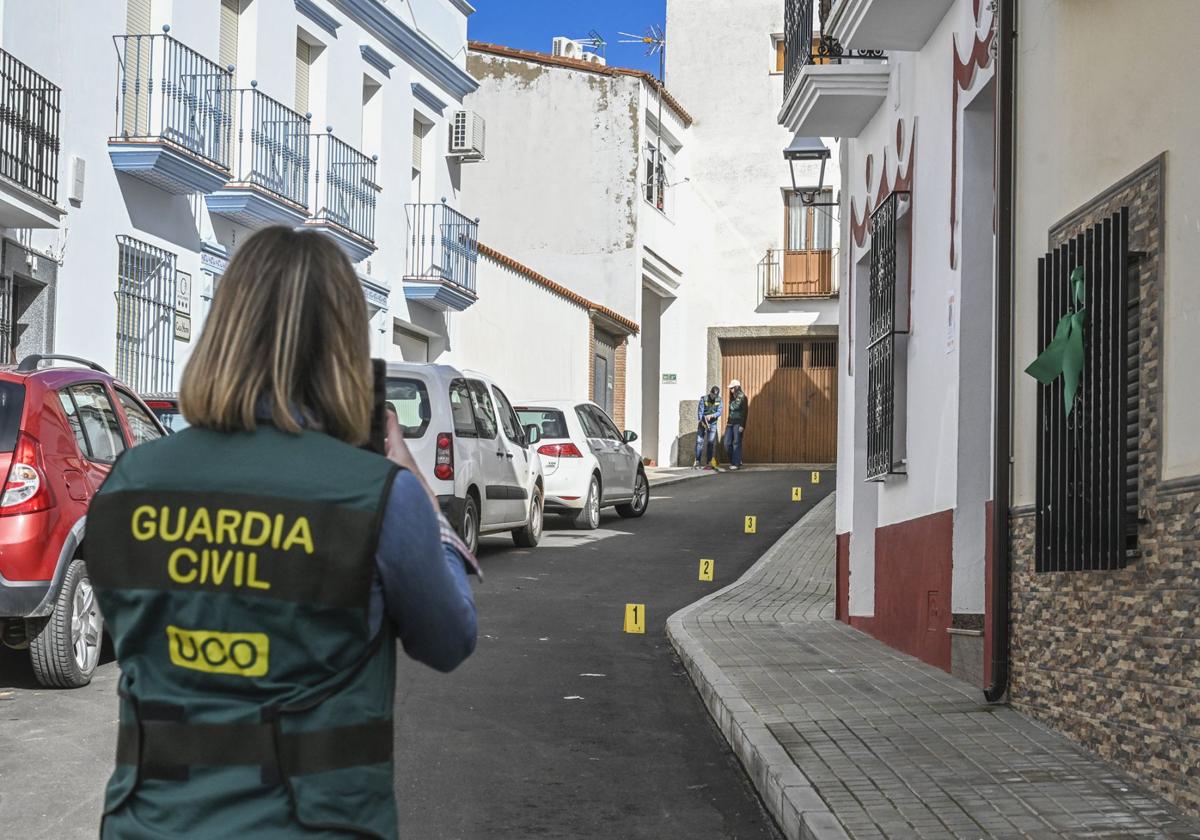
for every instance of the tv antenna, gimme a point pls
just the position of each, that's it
(655, 41)
(594, 40)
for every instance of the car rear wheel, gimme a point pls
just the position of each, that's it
(641, 498)
(65, 648)
(468, 528)
(588, 519)
(531, 534)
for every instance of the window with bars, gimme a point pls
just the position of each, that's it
(886, 338)
(1087, 482)
(145, 316)
(823, 354)
(790, 354)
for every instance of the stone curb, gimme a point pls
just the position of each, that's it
(790, 796)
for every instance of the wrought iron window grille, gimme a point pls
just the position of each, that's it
(887, 348)
(145, 316)
(1087, 468)
(271, 148)
(344, 186)
(443, 245)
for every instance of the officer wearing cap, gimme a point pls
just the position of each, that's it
(735, 425)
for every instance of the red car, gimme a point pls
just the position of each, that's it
(61, 429)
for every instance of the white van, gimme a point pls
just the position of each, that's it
(471, 448)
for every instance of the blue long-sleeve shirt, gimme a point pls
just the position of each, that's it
(710, 411)
(420, 584)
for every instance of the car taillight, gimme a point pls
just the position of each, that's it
(443, 463)
(560, 450)
(25, 488)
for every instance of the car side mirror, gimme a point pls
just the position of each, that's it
(630, 436)
(532, 434)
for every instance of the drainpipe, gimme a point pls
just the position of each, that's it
(1006, 71)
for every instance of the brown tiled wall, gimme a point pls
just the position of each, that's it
(1113, 658)
(591, 358)
(619, 386)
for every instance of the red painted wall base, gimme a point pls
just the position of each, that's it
(841, 604)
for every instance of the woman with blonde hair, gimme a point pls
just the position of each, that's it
(256, 569)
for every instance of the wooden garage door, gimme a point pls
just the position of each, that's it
(792, 386)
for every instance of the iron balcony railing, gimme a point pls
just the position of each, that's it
(806, 43)
(443, 245)
(343, 185)
(29, 118)
(271, 148)
(168, 91)
(787, 275)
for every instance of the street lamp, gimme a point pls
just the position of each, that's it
(808, 150)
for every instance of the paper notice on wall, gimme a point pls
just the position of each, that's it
(951, 322)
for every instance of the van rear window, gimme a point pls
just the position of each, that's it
(410, 399)
(12, 401)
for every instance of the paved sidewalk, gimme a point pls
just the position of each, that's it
(845, 737)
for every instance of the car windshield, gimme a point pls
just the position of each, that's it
(12, 400)
(168, 414)
(410, 399)
(550, 421)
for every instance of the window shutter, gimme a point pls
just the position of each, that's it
(797, 218)
(228, 49)
(780, 55)
(303, 62)
(137, 17)
(823, 223)
(417, 142)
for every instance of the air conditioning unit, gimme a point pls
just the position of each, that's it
(467, 136)
(568, 48)
(593, 58)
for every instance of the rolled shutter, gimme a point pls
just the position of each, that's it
(137, 17)
(417, 143)
(303, 62)
(228, 49)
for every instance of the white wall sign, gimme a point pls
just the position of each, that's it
(183, 328)
(183, 293)
(951, 322)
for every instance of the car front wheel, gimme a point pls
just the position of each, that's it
(640, 501)
(65, 647)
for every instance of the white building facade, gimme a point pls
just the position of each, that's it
(189, 125)
(909, 89)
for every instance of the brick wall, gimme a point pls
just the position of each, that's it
(619, 386)
(1113, 658)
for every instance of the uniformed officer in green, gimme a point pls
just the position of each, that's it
(252, 570)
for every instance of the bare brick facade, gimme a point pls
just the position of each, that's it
(1112, 658)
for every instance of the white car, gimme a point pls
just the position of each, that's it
(480, 462)
(587, 463)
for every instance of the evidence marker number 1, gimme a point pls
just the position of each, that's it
(635, 618)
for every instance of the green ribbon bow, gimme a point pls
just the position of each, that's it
(1064, 354)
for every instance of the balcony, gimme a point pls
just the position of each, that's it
(174, 115)
(270, 164)
(344, 194)
(886, 24)
(443, 249)
(29, 145)
(796, 275)
(829, 90)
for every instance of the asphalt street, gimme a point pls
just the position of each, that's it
(564, 726)
(561, 725)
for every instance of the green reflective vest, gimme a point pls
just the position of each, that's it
(234, 572)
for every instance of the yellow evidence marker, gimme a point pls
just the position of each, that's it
(751, 524)
(635, 618)
(797, 494)
(816, 477)
(706, 570)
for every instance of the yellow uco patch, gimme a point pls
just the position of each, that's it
(240, 654)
